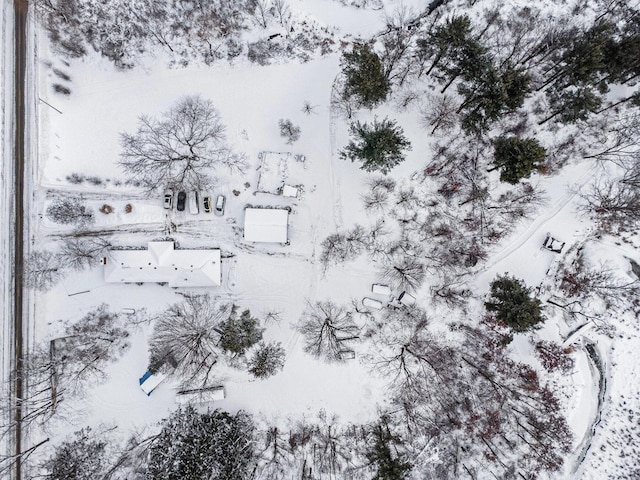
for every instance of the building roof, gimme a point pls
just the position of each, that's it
(149, 382)
(161, 263)
(266, 225)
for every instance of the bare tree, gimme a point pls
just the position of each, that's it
(344, 246)
(282, 11)
(439, 112)
(618, 139)
(613, 203)
(69, 211)
(81, 253)
(190, 333)
(43, 269)
(87, 346)
(262, 12)
(327, 328)
(403, 272)
(178, 150)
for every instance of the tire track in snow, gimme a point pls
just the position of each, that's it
(564, 202)
(334, 182)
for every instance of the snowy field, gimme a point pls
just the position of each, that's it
(79, 135)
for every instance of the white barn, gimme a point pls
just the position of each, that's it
(267, 225)
(161, 263)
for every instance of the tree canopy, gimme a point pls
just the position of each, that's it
(80, 459)
(389, 466)
(202, 446)
(180, 149)
(513, 304)
(365, 78)
(517, 157)
(240, 332)
(267, 360)
(379, 146)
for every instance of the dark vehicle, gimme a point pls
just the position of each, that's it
(220, 205)
(553, 244)
(207, 204)
(182, 200)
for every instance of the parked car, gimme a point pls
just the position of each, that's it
(207, 204)
(182, 198)
(168, 199)
(220, 205)
(193, 203)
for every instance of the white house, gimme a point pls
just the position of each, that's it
(161, 263)
(268, 225)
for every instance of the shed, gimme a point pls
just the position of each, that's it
(289, 191)
(266, 225)
(149, 381)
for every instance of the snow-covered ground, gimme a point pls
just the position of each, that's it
(84, 140)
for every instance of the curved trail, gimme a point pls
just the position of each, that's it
(596, 364)
(561, 204)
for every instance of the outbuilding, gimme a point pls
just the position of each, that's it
(266, 225)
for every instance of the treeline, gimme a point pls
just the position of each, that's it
(187, 30)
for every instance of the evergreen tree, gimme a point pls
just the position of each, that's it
(512, 302)
(517, 157)
(490, 93)
(267, 360)
(202, 446)
(240, 333)
(365, 78)
(379, 146)
(446, 40)
(79, 459)
(586, 57)
(389, 466)
(572, 104)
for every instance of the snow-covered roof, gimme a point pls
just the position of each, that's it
(266, 225)
(380, 289)
(149, 382)
(162, 263)
(289, 191)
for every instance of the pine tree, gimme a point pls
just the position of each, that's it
(389, 466)
(512, 302)
(445, 41)
(240, 333)
(517, 157)
(379, 146)
(572, 104)
(267, 360)
(365, 78)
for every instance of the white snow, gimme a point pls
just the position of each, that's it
(266, 225)
(273, 282)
